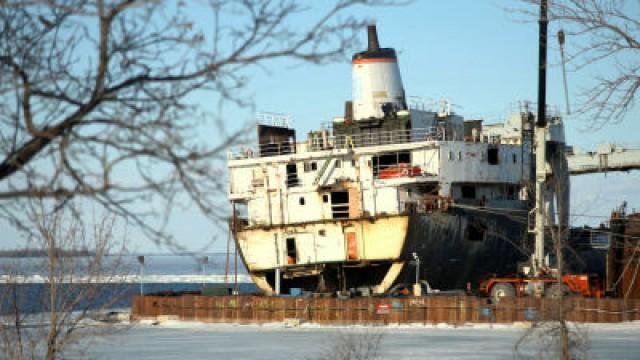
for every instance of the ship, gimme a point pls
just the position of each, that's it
(393, 181)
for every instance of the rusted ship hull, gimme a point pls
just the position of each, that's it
(455, 247)
(462, 246)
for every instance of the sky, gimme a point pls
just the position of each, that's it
(475, 53)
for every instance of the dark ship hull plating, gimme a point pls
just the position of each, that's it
(462, 246)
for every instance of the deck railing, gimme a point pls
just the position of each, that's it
(342, 142)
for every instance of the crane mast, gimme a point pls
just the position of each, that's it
(540, 141)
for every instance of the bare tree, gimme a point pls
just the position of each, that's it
(46, 320)
(102, 99)
(363, 345)
(602, 36)
(555, 337)
(551, 340)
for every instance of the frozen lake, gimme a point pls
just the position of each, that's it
(191, 340)
(157, 268)
(121, 280)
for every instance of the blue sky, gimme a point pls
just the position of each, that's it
(472, 52)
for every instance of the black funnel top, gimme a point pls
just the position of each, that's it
(372, 34)
(374, 51)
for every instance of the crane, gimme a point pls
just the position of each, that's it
(606, 158)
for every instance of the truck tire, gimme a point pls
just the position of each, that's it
(502, 290)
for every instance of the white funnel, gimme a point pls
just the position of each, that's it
(377, 85)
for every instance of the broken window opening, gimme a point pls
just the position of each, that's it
(475, 232)
(492, 156)
(310, 166)
(340, 204)
(292, 175)
(241, 213)
(292, 253)
(468, 191)
(391, 162)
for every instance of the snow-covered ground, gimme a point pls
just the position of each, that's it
(192, 340)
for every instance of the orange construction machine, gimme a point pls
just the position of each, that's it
(572, 284)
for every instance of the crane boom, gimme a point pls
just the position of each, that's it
(607, 158)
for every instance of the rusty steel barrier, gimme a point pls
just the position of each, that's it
(427, 310)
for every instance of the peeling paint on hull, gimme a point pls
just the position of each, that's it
(445, 243)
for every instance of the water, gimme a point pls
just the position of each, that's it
(162, 274)
(164, 265)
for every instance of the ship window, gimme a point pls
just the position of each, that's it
(492, 156)
(292, 253)
(310, 166)
(459, 155)
(338, 163)
(325, 198)
(353, 162)
(292, 175)
(468, 191)
(515, 158)
(450, 155)
(301, 200)
(390, 161)
(340, 205)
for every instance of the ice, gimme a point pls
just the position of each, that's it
(193, 340)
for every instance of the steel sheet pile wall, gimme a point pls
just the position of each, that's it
(427, 310)
(624, 255)
(631, 258)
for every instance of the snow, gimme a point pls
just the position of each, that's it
(193, 340)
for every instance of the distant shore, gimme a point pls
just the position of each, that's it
(21, 253)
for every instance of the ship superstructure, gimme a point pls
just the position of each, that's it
(349, 207)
